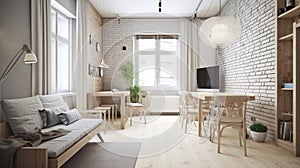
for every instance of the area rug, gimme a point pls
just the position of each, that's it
(105, 155)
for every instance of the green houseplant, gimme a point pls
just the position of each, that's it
(258, 131)
(130, 75)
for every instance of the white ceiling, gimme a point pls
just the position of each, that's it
(149, 8)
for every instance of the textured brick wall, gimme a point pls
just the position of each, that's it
(94, 57)
(94, 26)
(115, 36)
(248, 66)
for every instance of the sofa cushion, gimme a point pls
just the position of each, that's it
(23, 114)
(70, 116)
(50, 115)
(78, 130)
(52, 101)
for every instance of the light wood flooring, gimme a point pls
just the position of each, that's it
(164, 145)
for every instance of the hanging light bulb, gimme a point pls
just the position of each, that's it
(102, 64)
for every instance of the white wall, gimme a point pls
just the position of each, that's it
(156, 26)
(117, 34)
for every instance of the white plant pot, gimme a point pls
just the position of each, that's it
(258, 136)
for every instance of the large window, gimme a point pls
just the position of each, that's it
(157, 61)
(61, 43)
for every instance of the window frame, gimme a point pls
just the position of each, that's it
(58, 38)
(157, 52)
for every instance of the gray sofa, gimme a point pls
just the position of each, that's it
(24, 115)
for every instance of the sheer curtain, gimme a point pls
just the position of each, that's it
(40, 35)
(189, 54)
(80, 62)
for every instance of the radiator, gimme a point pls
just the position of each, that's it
(164, 104)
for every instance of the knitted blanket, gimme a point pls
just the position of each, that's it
(9, 147)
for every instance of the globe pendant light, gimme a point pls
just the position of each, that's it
(221, 31)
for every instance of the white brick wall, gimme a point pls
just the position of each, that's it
(115, 36)
(248, 66)
(94, 58)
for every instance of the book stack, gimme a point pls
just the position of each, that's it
(285, 130)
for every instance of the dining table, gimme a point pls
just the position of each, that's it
(115, 94)
(211, 96)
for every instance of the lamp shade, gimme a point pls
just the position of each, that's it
(30, 58)
(221, 31)
(103, 65)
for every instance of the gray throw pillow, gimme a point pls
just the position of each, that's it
(69, 116)
(23, 114)
(52, 101)
(50, 115)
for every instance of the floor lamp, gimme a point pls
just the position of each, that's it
(30, 58)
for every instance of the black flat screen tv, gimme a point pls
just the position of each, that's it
(208, 77)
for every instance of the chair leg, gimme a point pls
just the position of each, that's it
(130, 117)
(145, 116)
(219, 137)
(182, 121)
(105, 121)
(112, 114)
(108, 117)
(140, 115)
(244, 139)
(186, 123)
(240, 137)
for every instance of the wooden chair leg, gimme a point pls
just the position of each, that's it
(186, 123)
(145, 116)
(219, 138)
(240, 137)
(112, 114)
(182, 121)
(244, 141)
(130, 117)
(108, 115)
(116, 112)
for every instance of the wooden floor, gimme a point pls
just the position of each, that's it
(189, 150)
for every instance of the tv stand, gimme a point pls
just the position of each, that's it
(208, 90)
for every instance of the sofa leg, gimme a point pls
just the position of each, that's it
(100, 137)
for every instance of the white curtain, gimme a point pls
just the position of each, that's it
(40, 35)
(80, 62)
(189, 54)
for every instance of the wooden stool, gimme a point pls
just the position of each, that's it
(113, 111)
(108, 109)
(96, 114)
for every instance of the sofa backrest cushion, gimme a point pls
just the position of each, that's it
(52, 101)
(23, 114)
(70, 99)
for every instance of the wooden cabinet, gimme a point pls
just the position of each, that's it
(287, 41)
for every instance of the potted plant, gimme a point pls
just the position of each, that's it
(129, 74)
(258, 131)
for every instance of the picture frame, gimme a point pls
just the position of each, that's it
(94, 71)
(98, 47)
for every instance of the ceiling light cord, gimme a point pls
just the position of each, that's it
(194, 15)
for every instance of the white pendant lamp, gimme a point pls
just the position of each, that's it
(221, 31)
